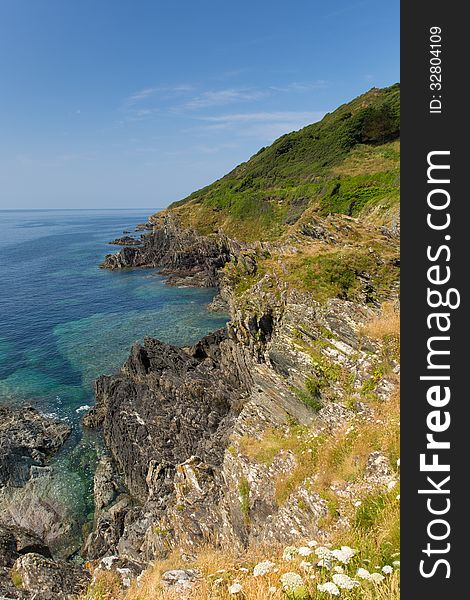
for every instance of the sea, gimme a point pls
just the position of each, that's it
(64, 321)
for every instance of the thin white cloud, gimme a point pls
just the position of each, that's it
(301, 86)
(222, 97)
(165, 91)
(141, 94)
(297, 116)
(263, 126)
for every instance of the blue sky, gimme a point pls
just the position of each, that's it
(137, 103)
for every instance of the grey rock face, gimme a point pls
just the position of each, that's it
(27, 500)
(177, 421)
(126, 240)
(27, 439)
(111, 507)
(172, 404)
(180, 581)
(14, 542)
(183, 254)
(49, 579)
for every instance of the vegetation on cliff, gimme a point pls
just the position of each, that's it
(347, 163)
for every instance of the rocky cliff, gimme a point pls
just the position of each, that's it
(176, 252)
(280, 426)
(181, 423)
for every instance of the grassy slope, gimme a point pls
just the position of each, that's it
(347, 163)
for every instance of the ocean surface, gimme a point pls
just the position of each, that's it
(64, 321)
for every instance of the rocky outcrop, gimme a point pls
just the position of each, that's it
(180, 423)
(126, 240)
(15, 542)
(45, 579)
(27, 440)
(173, 404)
(176, 420)
(188, 257)
(28, 570)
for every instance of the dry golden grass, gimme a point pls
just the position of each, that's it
(336, 459)
(220, 569)
(106, 586)
(387, 324)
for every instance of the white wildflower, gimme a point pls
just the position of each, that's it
(329, 588)
(312, 543)
(291, 582)
(290, 552)
(344, 581)
(396, 564)
(272, 590)
(363, 573)
(338, 569)
(305, 565)
(305, 551)
(391, 484)
(263, 568)
(387, 569)
(243, 569)
(357, 504)
(398, 462)
(376, 577)
(323, 552)
(235, 588)
(398, 497)
(344, 554)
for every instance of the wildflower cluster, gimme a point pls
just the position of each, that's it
(312, 571)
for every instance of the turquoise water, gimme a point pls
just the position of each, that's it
(64, 321)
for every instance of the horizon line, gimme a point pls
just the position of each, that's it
(81, 209)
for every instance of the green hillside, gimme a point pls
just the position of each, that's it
(347, 163)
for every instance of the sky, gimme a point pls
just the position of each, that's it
(137, 103)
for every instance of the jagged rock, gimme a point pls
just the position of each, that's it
(378, 468)
(15, 542)
(106, 485)
(182, 253)
(111, 508)
(218, 305)
(49, 579)
(126, 240)
(27, 439)
(180, 581)
(171, 404)
(174, 418)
